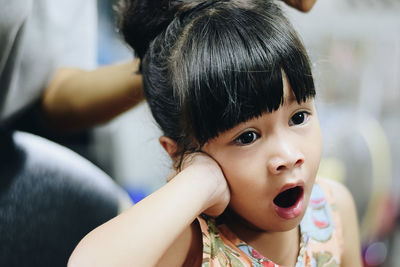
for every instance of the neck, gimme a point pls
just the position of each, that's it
(280, 247)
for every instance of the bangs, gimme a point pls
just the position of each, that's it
(230, 71)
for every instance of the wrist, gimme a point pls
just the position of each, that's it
(210, 187)
(198, 188)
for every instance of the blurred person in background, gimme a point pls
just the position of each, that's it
(50, 197)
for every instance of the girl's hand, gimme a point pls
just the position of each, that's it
(202, 166)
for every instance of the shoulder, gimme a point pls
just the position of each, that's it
(341, 197)
(348, 216)
(339, 192)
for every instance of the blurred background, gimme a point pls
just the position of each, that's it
(355, 49)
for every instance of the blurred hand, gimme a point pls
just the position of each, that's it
(302, 5)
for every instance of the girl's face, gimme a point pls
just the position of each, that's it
(270, 164)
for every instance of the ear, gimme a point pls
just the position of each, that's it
(169, 145)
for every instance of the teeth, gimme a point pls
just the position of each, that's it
(288, 197)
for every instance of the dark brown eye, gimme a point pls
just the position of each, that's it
(298, 118)
(247, 138)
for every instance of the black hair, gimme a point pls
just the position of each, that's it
(210, 65)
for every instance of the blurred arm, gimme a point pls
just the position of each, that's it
(77, 99)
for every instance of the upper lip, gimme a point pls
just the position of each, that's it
(291, 185)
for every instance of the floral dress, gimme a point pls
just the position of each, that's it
(321, 238)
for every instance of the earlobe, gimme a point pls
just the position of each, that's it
(169, 145)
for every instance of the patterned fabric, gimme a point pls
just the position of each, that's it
(321, 238)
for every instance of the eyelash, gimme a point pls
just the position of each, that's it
(255, 135)
(239, 140)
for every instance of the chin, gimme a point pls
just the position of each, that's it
(287, 225)
(277, 224)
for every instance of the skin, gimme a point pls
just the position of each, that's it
(302, 5)
(103, 94)
(245, 177)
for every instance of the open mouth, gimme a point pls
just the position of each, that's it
(289, 197)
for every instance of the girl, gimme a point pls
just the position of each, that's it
(230, 85)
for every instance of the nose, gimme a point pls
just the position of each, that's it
(286, 157)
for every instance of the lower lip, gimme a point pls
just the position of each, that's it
(290, 212)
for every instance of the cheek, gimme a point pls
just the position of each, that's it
(240, 167)
(314, 143)
(248, 184)
(234, 172)
(315, 146)
(314, 149)
(318, 145)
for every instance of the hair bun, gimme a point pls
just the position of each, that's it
(195, 6)
(142, 20)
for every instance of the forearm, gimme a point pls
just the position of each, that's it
(141, 235)
(78, 99)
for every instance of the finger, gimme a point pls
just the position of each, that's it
(302, 5)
